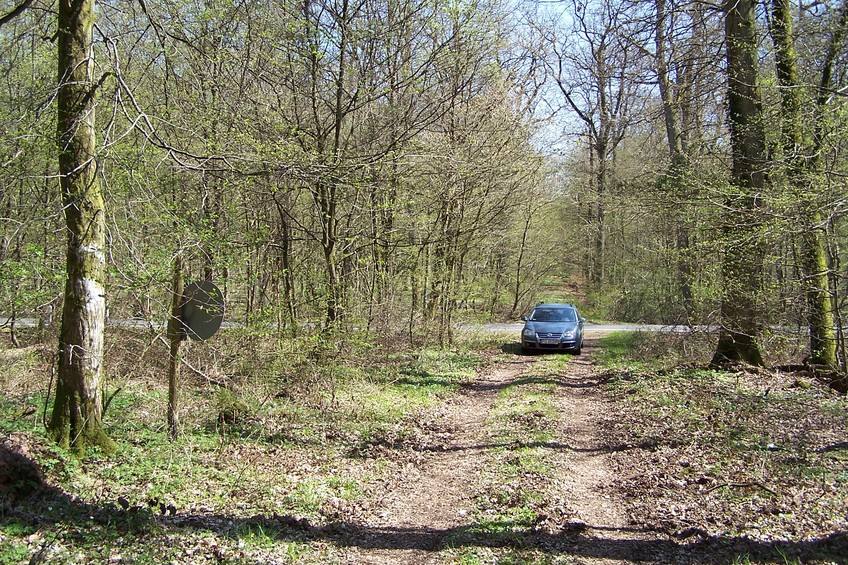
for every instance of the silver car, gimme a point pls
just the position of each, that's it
(555, 327)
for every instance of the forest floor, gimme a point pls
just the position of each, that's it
(583, 512)
(504, 458)
(580, 513)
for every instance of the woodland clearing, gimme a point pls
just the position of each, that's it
(472, 455)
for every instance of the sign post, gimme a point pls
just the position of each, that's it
(196, 313)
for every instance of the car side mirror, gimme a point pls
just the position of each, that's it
(523, 318)
(582, 320)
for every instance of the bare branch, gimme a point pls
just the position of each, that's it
(17, 11)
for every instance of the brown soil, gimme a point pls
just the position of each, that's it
(411, 523)
(428, 507)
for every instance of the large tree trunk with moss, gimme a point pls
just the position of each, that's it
(817, 288)
(823, 314)
(76, 420)
(742, 266)
(796, 155)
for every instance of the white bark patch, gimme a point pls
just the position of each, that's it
(91, 249)
(93, 300)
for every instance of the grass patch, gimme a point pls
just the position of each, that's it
(637, 351)
(618, 349)
(513, 503)
(289, 438)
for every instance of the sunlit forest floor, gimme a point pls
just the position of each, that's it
(629, 453)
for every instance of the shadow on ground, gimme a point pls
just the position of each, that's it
(49, 508)
(26, 504)
(514, 348)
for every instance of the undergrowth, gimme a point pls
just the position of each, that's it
(278, 438)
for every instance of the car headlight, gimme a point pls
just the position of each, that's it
(569, 334)
(529, 333)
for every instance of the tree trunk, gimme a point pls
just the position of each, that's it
(742, 265)
(176, 334)
(519, 264)
(676, 173)
(812, 241)
(76, 420)
(285, 245)
(599, 270)
(325, 197)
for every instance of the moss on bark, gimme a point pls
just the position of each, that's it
(742, 266)
(799, 158)
(76, 420)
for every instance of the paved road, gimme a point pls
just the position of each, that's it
(33, 322)
(589, 329)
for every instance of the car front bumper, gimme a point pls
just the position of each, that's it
(562, 345)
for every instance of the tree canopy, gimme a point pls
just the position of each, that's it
(396, 166)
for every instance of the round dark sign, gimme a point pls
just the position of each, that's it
(203, 310)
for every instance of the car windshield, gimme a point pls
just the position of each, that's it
(553, 315)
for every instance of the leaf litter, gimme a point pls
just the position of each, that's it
(680, 466)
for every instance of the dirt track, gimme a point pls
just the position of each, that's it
(429, 510)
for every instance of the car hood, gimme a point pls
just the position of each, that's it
(550, 327)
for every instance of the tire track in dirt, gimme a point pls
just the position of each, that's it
(415, 520)
(589, 478)
(606, 533)
(431, 504)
